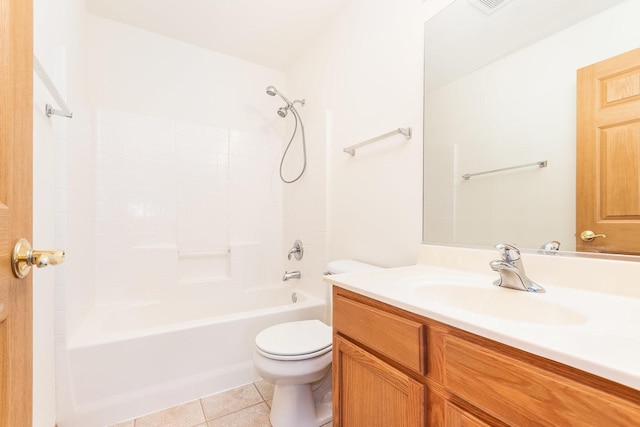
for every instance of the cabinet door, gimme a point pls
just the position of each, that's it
(456, 417)
(368, 392)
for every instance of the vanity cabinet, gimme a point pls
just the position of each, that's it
(394, 368)
(374, 392)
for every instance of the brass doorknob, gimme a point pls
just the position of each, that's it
(588, 235)
(23, 258)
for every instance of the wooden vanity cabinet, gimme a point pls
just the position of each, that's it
(393, 368)
(374, 392)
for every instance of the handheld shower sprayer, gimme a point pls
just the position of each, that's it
(271, 90)
(282, 112)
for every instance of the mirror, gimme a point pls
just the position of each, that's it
(500, 92)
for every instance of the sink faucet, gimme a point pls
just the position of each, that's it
(291, 275)
(551, 247)
(512, 271)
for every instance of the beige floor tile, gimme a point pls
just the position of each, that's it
(124, 424)
(221, 404)
(265, 389)
(269, 402)
(185, 415)
(328, 424)
(253, 416)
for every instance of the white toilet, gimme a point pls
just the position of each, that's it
(296, 357)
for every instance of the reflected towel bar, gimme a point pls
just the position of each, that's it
(352, 149)
(64, 110)
(542, 164)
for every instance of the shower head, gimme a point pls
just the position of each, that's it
(271, 90)
(283, 111)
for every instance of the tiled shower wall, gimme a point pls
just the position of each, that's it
(177, 204)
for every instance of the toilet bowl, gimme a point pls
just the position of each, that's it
(296, 357)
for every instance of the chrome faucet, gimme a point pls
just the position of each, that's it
(511, 270)
(551, 247)
(291, 275)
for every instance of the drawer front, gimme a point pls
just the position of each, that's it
(530, 395)
(393, 336)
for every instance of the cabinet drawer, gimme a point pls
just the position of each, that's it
(390, 335)
(523, 395)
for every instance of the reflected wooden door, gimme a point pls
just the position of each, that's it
(608, 155)
(16, 117)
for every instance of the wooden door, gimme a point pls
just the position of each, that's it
(608, 154)
(370, 393)
(16, 116)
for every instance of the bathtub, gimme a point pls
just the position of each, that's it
(128, 361)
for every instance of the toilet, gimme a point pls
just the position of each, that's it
(296, 357)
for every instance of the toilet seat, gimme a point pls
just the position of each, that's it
(294, 340)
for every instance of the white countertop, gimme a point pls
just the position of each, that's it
(592, 330)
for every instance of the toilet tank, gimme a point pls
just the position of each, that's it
(349, 266)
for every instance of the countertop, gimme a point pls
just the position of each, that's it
(595, 331)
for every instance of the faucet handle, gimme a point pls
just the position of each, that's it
(296, 250)
(508, 252)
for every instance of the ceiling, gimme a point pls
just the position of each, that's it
(272, 33)
(461, 38)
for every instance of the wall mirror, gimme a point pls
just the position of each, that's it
(500, 92)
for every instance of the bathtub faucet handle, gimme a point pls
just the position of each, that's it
(296, 250)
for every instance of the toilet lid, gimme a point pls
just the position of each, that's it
(295, 340)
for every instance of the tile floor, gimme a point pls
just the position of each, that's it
(246, 406)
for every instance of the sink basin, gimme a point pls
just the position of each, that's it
(500, 303)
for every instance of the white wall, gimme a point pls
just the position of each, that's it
(186, 162)
(529, 116)
(362, 78)
(59, 45)
(44, 142)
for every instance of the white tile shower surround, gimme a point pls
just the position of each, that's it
(164, 186)
(246, 406)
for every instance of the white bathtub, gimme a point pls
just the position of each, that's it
(128, 361)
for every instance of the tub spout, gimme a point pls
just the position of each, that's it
(291, 275)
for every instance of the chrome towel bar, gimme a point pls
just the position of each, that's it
(352, 149)
(64, 110)
(541, 164)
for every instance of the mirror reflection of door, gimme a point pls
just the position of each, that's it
(608, 155)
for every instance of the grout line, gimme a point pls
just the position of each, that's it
(204, 414)
(259, 393)
(206, 419)
(239, 410)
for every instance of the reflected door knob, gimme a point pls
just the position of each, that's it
(23, 258)
(588, 235)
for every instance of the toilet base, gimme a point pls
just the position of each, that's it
(294, 406)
